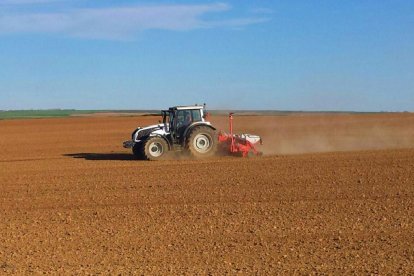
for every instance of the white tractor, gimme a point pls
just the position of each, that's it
(183, 128)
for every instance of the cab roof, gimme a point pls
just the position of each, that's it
(187, 107)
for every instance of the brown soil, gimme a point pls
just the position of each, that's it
(111, 114)
(73, 201)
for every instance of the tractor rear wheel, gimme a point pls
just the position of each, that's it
(154, 148)
(202, 142)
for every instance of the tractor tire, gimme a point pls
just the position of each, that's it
(137, 150)
(154, 148)
(201, 142)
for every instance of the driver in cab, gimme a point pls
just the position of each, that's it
(187, 119)
(184, 122)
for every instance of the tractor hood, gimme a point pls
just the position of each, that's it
(142, 132)
(150, 127)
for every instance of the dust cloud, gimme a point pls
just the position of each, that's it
(307, 133)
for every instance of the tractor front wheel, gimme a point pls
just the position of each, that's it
(137, 150)
(155, 148)
(202, 142)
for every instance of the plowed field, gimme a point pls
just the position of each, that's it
(332, 194)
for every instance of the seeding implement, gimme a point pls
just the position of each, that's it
(242, 144)
(186, 129)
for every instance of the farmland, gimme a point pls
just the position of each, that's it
(333, 193)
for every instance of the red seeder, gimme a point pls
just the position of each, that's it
(243, 144)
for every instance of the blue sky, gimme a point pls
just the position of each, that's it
(287, 55)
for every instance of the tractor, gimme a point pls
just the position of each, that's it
(183, 128)
(186, 129)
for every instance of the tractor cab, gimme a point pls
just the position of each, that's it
(177, 119)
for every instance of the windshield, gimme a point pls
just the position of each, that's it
(171, 117)
(166, 119)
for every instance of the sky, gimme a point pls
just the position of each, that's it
(274, 55)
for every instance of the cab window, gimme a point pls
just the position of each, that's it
(196, 116)
(180, 116)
